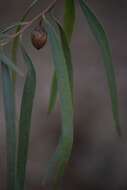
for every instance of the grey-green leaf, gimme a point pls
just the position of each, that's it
(15, 43)
(61, 157)
(10, 64)
(102, 40)
(69, 21)
(67, 55)
(9, 109)
(25, 119)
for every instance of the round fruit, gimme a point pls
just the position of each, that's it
(39, 37)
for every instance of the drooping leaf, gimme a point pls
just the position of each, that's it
(102, 40)
(15, 43)
(60, 159)
(3, 38)
(9, 109)
(25, 119)
(53, 94)
(69, 18)
(69, 21)
(10, 64)
(67, 55)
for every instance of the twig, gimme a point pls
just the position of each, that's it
(29, 23)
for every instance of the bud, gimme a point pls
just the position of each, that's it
(39, 37)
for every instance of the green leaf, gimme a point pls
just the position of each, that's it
(10, 64)
(69, 18)
(69, 21)
(10, 122)
(3, 38)
(67, 55)
(53, 94)
(61, 157)
(25, 119)
(102, 40)
(15, 43)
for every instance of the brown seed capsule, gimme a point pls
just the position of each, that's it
(39, 37)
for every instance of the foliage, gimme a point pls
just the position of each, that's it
(62, 86)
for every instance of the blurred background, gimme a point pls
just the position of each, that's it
(99, 157)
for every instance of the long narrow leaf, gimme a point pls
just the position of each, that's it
(67, 55)
(15, 43)
(25, 119)
(3, 38)
(63, 151)
(10, 64)
(69, 18)
(9, 108)
(69, 21)
(102, 40)
(53, 93)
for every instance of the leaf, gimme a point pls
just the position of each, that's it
(3, 38)
(15, 43)
(9, 109)
(69, 18)
(10, 64)
(102, 40)
(67, 55)
(61, 157)
(53, 94)
(69, 21)
(25, 119)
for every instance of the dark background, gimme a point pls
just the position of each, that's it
(99, 157)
